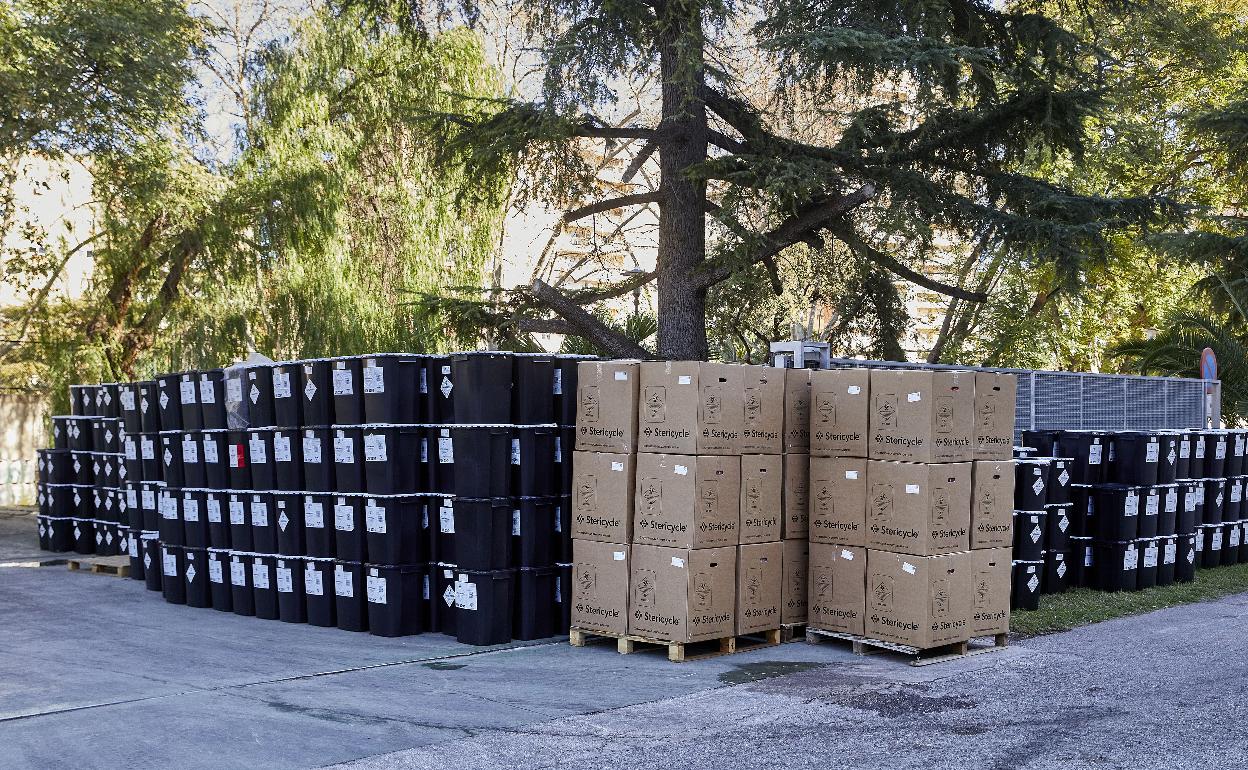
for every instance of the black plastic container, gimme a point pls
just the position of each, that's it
(1168, 557)
(1151, 503)
(61, 427)
(82, 400)
(149, 504)
(1243, 542)
(1190, 508)
(1233, 505)
(1211, 554)
(103, 547)
(483, 606)
(237, 468)
(1235, 453)
(1134, 458)
(391, 455)
(533, 524)
(482, 533)
(83, 497)
(1184, 447)
(108, 396)
(1058, 480)
(194, 514)
(217, 513)
(533, 396)
(1027, 580)
(350, 536)
(58, 466)
(398, 598)
(134, 549)
(344, 375)
(128, 399)
(317, 459)
(482, 460)
(318, 525)
(315, 393)
(564, 387)
(287, 399)
(60, 533)
(1117, 565)
(190, 415)
(397, 529)
(264, 585)
(348, 458)
(211, 386)
(1149, 561)
(1168, 518)
(1231, 534)
(440, 450)
(194, 473)
(289, 576)
(219, 587)
(1117, 512)
(213, 448)
(1185, 565)
(442, 598)
(61, 497)
(483, 380)
(170, 527)
(287, 459)
(1029, 530)
(1215, 498)
(1056, 572)
(169, 401)
(237, 504)
(563, 598)
(288, 517)
(441, 512)
(81, 463)
(148, 408)
(439, 390)
(195, 572)
(263, 523)
(1057, 527)
(533, 469)
(173, 573)
(260, 459)
(149, 545)
(1080, 562)
(350, 596)
(258, 395)
(242, 597)
(1168, 459)
(1215, 453)
(78, 434)
(105, 434)
(537, 613)
(318, 591)
(1090, 452)
(1196, 467)
(391, 387)
(564, 454)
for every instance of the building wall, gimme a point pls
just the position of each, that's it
(23, 429)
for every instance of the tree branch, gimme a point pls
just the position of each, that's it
(590, 296)
(634, 199)
(545, 326)
(851, 239)
(615, 132)
(639, 160)
(36, 302)
(594, 330)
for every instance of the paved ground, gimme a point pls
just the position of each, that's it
(96, 671)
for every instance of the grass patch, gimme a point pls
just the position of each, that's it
(1082, 606)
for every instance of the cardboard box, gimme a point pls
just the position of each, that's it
(990, 591)
(762, 430)
(992, 503)
(918, 509)
(995, 401)
(759, 576)
(602, 496)
(920, 601)
(687, 501)
(840, 411)
(762, 498)
(606, 405)
(796, 563)
(838, 500)
(797, 410)
(838, 588)
(922, 416)
(796, 522)
(683, 595)
(691, 407)
(600, 575)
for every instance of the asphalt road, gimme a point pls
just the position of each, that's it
(97, 672)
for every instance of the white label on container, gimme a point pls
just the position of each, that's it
(170, 565)
(311, 449)
(164, 400)
(853, 390)
(912, 489)
(374, 382)
(142, 407)
(281, 385)
(851, 475)
(309, 390)
(312, 581)
(557, 383)
(847, 555)
(446, 520)
(681, 470)
(342, 582)
(169, 508)
(207, 392)
(132, 451)
(1172, 457)
(1217, 540)
(313, 515)
(678, 562)
(446, 450)
(1172, 552)
(282, 519)
(215, 573)
(259, 574)
(342, 382)
(515, 522)
(285, 581)
(622, 376)
(1063, 523)
(558, 589)
(148, 447)
(255, 393)
(1036, 534)
(683, 379)
(1061, 569)
(210, 450)
(233, 390)
(907, 568)
(344, 450)
(1219, 450)
(187, 389)
(913, 397)
(1150, 556)
(1237, 492)
(1131, 558)
(515, 451)
(375, 448)
(190, 450)
(448, 596)
(558, 519)
(617, 556)
(238, 573)
(1152, 452)
(376, 588)
(190, 573)
(127, 400)
(343, 520)
(374, 517)
(1172, 501)
(446, 386)
(466, 595)
(132, 498)
(238, 514)
(1189, 500)
(281, 448)
(1094, 454)
(1185, 449)
(424, 384)
(149, 499)
(1150, 507)
(1038, 486)
(1235, 537)
(214, 510)
(190, 509)
(1200, 494)
(424, 450)
(258, 454)
(558, 450)
(108, 436)
(617, 466)
(259, 514)
(1131, 506)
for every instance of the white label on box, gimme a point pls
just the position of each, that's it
(558, 519)
(1132, 505)
(446, 450)
(312, 581)
(617, 556)
(259, 514)
(1038, 487)
(132, 498)
(311, 449)
(1172, 552)
(259, 574)
(515, 522)
(342, 582)
(282, 519)
(515, 451)
(207, 392)
(374, 382)
(285, 581)
(556, 387)
(281, 448)
(678, 562)
(127, 400)
(913, 397)
(466, 595)
(342, 383)
(681, 470)
(375, 448)
(164, 400)
(190, 450)
(376, 588)
(258, 454)
(374, 518)
(853, 390)
(1172, 501)
(343, 520)
(617, 466)
(170, 565)
(424, 385)
(238, 573)
(169, 508)
(1094, 454)
(424, 449)
(682, 379)
(313, 515)
(621, 376)
(446, 519)
(912, 489)
(1150, 508)
(344, 450)
(190, 509)
(281, 385)
(238, 514)
(233, 389)
(1036, 534)
(1150, 556)
(187, 389)
(907, 568)
(149, 499)
(214, 510)
(149, 448)
(214, 571)
(309, 390)
(1219, 450)
(132, 451)
(847, 555)
(1061, 570)
(851, 475)
(1152, 452)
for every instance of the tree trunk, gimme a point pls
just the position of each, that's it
(682, 218)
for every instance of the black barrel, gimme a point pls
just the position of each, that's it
(82, 400)
(219, 579)
(287, 400)
(1235, 453)
(1168, 519)
(240, 522)
(149, 543)
(260, 458)
(214, 454)
(1056, 572)
(173, 573)
(198, 590)
(442, 598)
(440, 447)
(1168, 548)
(316, 449)
(1215, 453)
(128, 398)
(105, 434)
(288, 518)
(397, 529)
(442, 528)
(1027, 580)
(149, 409)
(482, 459)
(348, 458)
(1232, 508)
(194, 514)
(318, 525)
(82, 464)
(1057, 527)
(348, 398)
(391, 455)
(534, 472)
(1184, 445)
(1215, 499)
(1134, 458)
(134, 544)
(170, 519)
(1151, 500)
(1117, 512)
(258, 396)
(564, 386)
(533, 396)
(217, 512)
(483, 380)
(241, 595)
(483, 606)
(291, 602)
(1190, 507)
(350, 537)
(318, 591)
(315, 393)
(398, 598)
(188, 399)
(533, 521)
(1117, 565)
(350, 599)
(149, 504)
(193, 472)
(1030, 487)
(391, 386)
(482, 533)
(264, 585)
(1058, 480)
(1090, 452)
(1149, 560)
(287, 459)
(212, 399)
(1168, 461)
(440, 390)
(536, 611)
(263, 526)
(1185, 564)
(1231, 533)
(1211, 554)
(169, 452)
(563, 598)
(237, 469)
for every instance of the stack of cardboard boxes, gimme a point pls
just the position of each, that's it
(911, 504)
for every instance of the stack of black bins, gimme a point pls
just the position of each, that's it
(1150, 507)
(392, 493)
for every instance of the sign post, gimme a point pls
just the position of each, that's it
(1209, 373)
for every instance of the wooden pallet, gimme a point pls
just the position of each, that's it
(792, 632)
(102, 565)
(679, 652)
(861, 645)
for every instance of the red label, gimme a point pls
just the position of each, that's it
(239, 456)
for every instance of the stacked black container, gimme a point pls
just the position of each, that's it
(346, 492)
